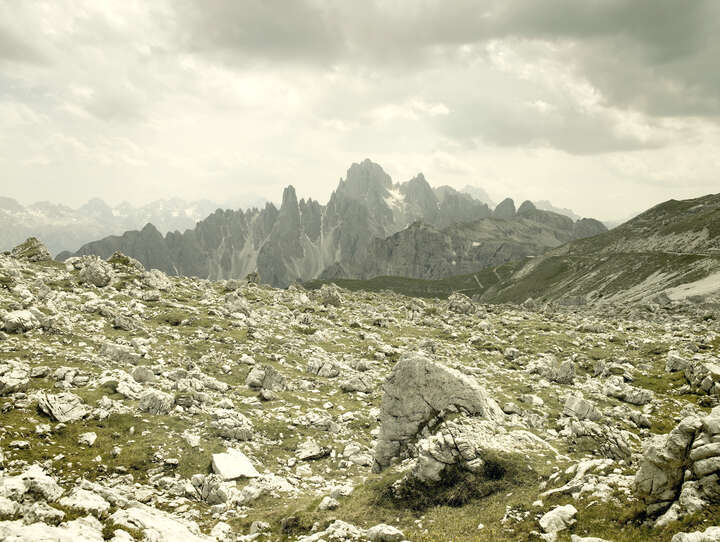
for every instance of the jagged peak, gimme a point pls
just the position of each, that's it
(418, 180)
(526, 207)
(365, 177)
(150, 229)
(289, 197)
(505, 209)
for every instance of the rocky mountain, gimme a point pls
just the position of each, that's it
(427, 252)
(304, 239)
(63, 228)
(480, 194)
(672, 249)
(137, 406)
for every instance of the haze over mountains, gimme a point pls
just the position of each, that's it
(348, 237)
(63, 228)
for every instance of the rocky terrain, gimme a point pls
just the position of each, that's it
(63, 228)
(140, 406)
(422, 251)
(304, 239)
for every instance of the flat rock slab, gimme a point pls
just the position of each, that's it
(233, 465)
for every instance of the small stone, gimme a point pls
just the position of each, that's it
(87, 439)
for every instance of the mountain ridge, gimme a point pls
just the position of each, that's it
(304, 239)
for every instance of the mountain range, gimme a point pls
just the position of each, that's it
(670, 253)
(64, 228)
(369, 225)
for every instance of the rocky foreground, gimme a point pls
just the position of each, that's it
(137, 406)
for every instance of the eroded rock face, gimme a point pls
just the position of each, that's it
(417, 391)
(692, 448)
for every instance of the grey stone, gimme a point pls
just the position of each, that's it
(417, 391)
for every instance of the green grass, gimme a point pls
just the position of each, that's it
(471, 284)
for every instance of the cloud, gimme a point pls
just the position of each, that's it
(260, 30)
(203, 98)
(14, 49)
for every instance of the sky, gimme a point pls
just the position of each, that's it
(602, 106)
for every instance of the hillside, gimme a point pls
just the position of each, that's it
(673, 248)
(668, 253)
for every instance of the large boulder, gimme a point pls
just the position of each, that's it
(711, 534)
(417, 391)
(231, 424)
(157, 525)
(460, 303)
(13, 379)
(704, 376)
(474, 445)
(87, 529)
(329, 294)
(265, 377)
(687, 460)
(618, 388)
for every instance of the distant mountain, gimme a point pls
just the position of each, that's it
(427, 252)
(63, 228)
(545, 205)
(301, 238)
(479, 194)
(671, 249)
(304, 239)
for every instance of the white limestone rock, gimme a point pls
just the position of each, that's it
(414, 393)
(85, 501)
(233, 465)
(87, 529)
(558, 519)
(384, 533)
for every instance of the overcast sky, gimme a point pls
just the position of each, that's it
(603, 106)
